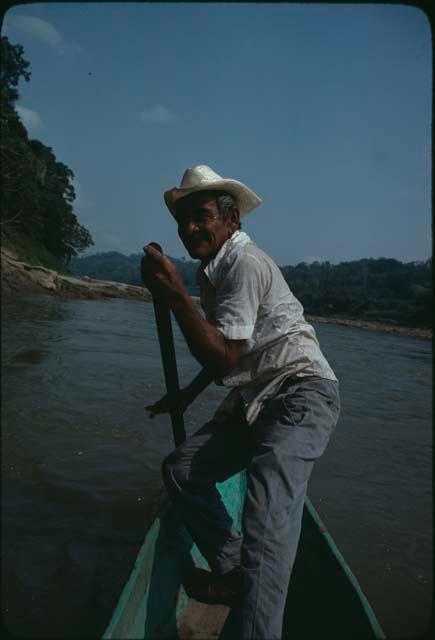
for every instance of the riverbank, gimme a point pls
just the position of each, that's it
(374, 326)
(17, 276)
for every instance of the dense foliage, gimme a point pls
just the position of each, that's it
(37, 190)
(374, 289)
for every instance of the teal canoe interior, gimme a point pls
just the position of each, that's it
(324, 597)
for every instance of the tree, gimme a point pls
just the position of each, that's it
(13, 67)
(37, 189)
(13, 152)
(75, 237)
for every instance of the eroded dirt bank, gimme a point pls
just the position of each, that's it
(19, 276)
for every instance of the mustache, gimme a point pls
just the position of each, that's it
(198, 237)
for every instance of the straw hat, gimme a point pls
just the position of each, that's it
(202, 178)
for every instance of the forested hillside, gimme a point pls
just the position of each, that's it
(116, 266)
(37, 216)
(372, 289)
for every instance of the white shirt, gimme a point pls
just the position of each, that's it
(244, 294)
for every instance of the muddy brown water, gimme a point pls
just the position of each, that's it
(81, 461)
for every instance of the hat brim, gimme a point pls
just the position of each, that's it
(245, 198)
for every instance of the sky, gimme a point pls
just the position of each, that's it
(323, 110)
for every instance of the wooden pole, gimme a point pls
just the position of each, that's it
(167, 351)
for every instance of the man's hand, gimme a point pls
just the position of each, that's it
(179, 401)
(160, 276)
(206, 343)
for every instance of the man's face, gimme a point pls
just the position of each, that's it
(200, 226)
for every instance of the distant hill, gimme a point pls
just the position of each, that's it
(381, 289)
(118, 267)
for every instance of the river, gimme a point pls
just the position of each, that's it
(81, 461)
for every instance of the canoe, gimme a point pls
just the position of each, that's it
(324, 597)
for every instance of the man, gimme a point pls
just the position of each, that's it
(276, 420)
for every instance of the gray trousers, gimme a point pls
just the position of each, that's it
(278, 452)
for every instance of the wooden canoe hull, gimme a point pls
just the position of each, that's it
(324, 597)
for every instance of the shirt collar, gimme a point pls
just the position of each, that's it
(239, 239)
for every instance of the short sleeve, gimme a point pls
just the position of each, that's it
(239, 295)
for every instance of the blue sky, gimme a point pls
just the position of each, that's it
(323, 110)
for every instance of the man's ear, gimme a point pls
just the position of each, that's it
(235, 217)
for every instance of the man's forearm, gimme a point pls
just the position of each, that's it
(206, 343)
